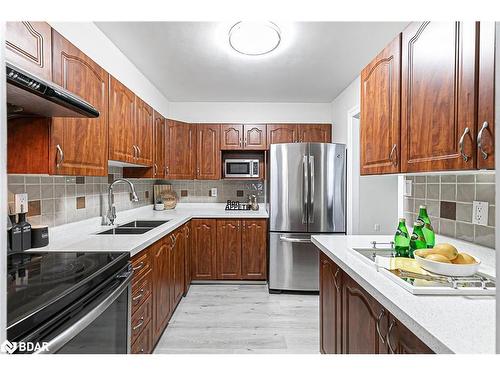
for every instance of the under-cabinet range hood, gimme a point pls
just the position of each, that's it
(28, 95)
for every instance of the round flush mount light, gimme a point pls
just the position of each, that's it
(254, 38)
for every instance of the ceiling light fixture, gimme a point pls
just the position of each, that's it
(254, 38)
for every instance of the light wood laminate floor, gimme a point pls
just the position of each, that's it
(227, 319)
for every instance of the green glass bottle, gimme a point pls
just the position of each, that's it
(430, 237)
(417, 239)
(402, 239)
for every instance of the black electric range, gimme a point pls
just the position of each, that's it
(50, 293)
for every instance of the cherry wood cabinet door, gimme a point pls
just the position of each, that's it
(121, 122)
(161, 261)
(231, 137)
(486, 97)
(228, 249)
(364, 321)
(181, 140)
(380, 112)
(204, 249)
(281, 133)
(254, 249)
(315, 133)
(28, 45)
(79, 146)
(438, 96)
(208, 156)
(330, 289)
(179, 260)
(400, 340)
(159, 150)
(254, 137)
(143, 134)
(187, 254)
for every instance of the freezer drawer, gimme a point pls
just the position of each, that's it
(293, 262)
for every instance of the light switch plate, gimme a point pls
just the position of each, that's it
(407, 188)
(21, 203)
(480, 213)
(213, 192)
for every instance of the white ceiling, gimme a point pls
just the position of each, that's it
(192, 61)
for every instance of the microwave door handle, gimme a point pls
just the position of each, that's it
(63, 338)
(311, 181)
(305, 189)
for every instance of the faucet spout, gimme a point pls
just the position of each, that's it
(111, 214)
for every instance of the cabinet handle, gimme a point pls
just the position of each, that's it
(337, 286)
(139, 325)
(138, 267)
(388, 336)
(480, 140)
(394, 151)
(135, 151)
(138, 297)
(382, 313)
(60, 154)
(167, 170)
(155, 169)
(461, 145)
(241, 143)
(138, 151)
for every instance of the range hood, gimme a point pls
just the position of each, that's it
(28, 95)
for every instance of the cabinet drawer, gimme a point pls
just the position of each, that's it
(141, 263)
(140, 319)
(141, 290)
(144, 343)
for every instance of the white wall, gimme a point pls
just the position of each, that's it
(344, 102)
(3, 191)
(88, 38)
(250, 112)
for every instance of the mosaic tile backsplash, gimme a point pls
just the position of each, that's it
(57, 200)
(449, 204)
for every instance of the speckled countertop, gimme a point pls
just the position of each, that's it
(82, 235)
(447, 324)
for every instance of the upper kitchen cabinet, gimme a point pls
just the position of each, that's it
(438, 97)
(159, 150)
(143, 134)
(28, 46)
(181, 141)
(231, 137)
(486, 97)
(315, 133)
(380, 112)
(281, 133)
(79, 146)
(208, 156)
(121, 123)
(243, 137)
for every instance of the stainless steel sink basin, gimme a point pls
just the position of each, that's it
(143, 224)
(370, 253)
(121, 230)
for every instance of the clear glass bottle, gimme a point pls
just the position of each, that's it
(430, 237)
(402, 239)
(417, 239)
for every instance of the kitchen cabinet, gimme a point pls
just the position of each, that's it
(486, 97)
(254, 249)
(143, 135)
(243, 137)
(159, 150)
(314, 133)
(281, 133)
(144, 343)
(330, 302)
(122, 119)
(228, 249)
(438, 96)
(400, 340)
(204, 249)
(161, 256)
(187, 256)
(231, 137)
(178, 250)
(180, 146)
(380, 112)
(28, 45)
(140, 318)
(79, 146)
(208, 155)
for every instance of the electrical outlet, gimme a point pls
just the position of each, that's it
(407, 188)
(21, 203)
(376, 228)
(213, 192)
(480, 213)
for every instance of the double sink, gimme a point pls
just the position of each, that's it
(135, 227)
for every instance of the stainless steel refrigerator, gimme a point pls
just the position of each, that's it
(307, 195)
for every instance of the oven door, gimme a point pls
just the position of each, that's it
(237, 168)
(98, 326)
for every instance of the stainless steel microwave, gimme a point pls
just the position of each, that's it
(241, 168)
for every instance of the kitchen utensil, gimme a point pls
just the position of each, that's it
(448, 269)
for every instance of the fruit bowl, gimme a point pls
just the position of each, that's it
(448, 269)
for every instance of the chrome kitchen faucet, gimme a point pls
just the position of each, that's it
(111, 214)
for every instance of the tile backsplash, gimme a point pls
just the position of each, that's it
(449, 198)
(57, 200)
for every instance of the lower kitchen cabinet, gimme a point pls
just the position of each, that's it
(161, 262)
(203, 250)
(228, 249)
(178, 255)
(353, 322)
(187, 256)
(254, 249)
(144, 343)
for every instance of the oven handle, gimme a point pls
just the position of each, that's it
(60, 340)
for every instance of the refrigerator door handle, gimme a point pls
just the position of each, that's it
(312, 182)
(305, 189)
(297, 240)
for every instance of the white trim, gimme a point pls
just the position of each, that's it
(352, 175)
(3, 192)
(497, 176)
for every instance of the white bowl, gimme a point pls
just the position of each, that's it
(448, 269)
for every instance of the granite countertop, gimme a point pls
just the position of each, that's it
(447, 324)
(81, 236)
